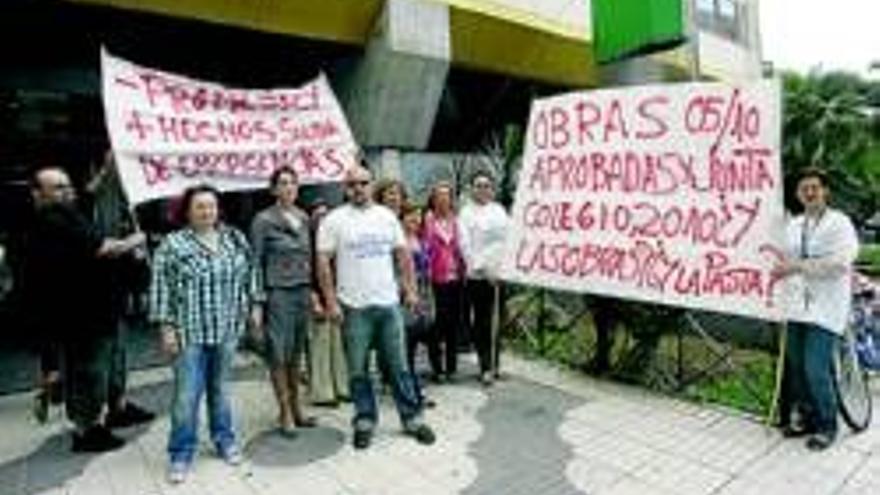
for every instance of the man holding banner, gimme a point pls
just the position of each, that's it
(64, 250)
(822, 246)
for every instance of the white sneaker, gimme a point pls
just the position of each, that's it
(177, 473)
(486, 378)
(232, 456)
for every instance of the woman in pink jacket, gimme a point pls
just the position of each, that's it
(446, 272)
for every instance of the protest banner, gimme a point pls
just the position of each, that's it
(169, 132)
(669, 194)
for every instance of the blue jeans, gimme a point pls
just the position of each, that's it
(381, 326)
(808, 382)
(201, 369)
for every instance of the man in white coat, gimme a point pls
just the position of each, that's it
(822, 245)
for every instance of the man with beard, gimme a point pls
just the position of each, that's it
(67, 277)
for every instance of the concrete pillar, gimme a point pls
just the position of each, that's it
(392, 95)
(389, 164)
(631, 72)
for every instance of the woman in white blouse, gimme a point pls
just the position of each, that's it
(483, 223)
(822, 246)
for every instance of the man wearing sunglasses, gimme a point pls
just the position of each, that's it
(362, 241)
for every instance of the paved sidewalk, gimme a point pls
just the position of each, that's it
(542, 431)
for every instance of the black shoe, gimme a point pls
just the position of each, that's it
(41, 407)
(362, 439)
(96, 439)
(820, 441)
(422, 433)
(288, 431)
(791, 431)
(306, 422)
(130, 415)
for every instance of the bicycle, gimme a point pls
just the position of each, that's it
(857, 356)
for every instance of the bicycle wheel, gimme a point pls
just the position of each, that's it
(851, 385)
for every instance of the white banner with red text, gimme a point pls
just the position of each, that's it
(169, 132)
(668, 194)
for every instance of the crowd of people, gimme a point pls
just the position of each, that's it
(373, 280)
(358, 289)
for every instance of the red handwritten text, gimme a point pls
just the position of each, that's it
(586, 121)
(327, 164)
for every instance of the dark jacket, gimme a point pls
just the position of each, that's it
(284, 254)
(67, 288)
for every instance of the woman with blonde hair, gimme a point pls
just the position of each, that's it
(392, 194)
(446, 272)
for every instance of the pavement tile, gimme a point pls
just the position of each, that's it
(519, 437)
(617, 451)
(790, 464)
(128, 471)
(592, 475)
(93, 481)
(865, 441)
(747, 486)
(681, 476)
(629, 485)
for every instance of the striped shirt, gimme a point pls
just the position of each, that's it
(206, 296)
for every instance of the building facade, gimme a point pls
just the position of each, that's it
(414, 76)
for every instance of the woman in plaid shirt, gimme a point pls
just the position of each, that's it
(204, 288)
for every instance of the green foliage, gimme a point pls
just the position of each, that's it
(749, 387)
(827, 122)
(731, 389)
(869, 258)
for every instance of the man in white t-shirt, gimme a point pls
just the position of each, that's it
(364, 240)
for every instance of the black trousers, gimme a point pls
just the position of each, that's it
(449, 299)
(95, 374)
(481, 304)
(422, 332)
(50, 357)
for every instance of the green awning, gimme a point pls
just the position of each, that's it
(626, 28)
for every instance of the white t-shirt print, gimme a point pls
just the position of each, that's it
(362, 240)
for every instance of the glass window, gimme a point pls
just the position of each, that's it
(706, 6)
(727, 9)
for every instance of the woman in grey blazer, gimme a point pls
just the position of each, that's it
(282, 247)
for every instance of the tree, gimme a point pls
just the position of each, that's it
(828, 121)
